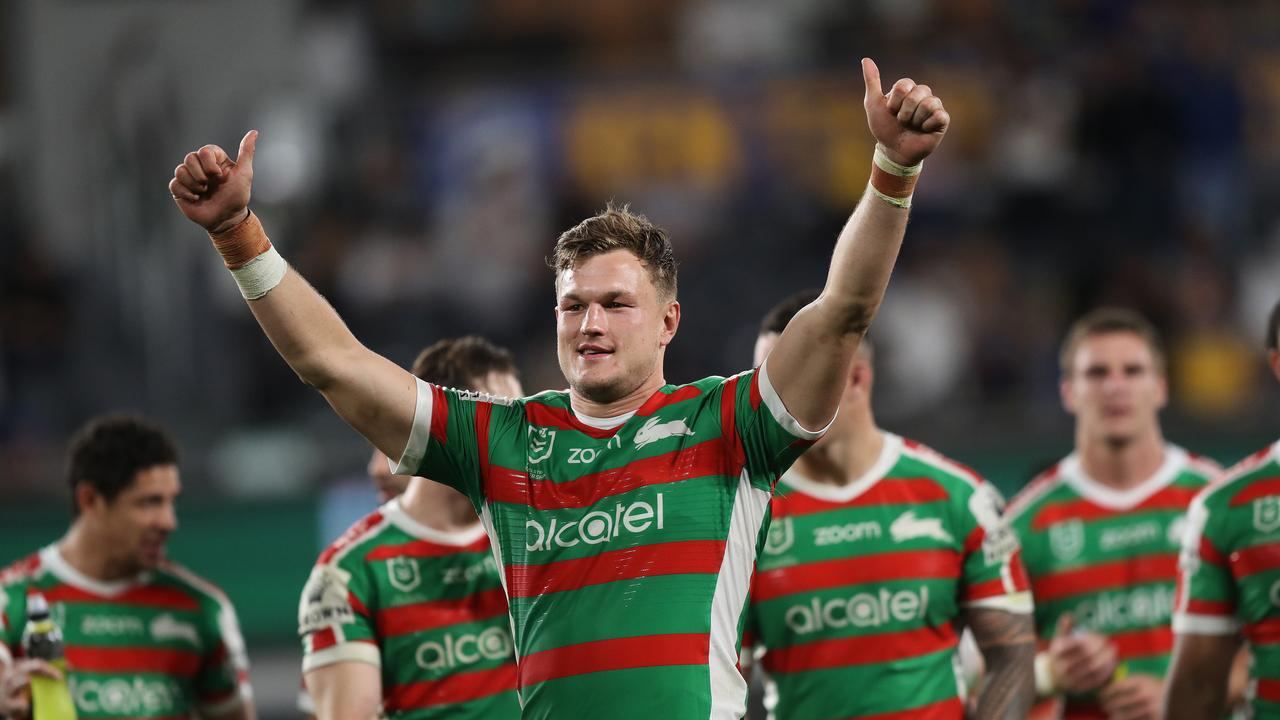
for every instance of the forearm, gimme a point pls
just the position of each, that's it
(1194, 699)
(861, 264)
(1197, 684)
(1008, 688)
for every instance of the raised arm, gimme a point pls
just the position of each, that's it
(373, 394)
(815, 352)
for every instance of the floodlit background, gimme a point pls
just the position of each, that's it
(419, 157)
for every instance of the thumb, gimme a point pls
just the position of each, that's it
(247, 146)
(871, 76)
(1066, 624)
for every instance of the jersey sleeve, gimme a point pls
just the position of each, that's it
(334, 620)
(993, 574)
(222, 683)
(449, 438)
(770, 438)
(1206, 596)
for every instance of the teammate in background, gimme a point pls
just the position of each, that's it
(144, 637)
(1100, 530)
(1229, 587)
(879, 551)
(404, 614)
(626, 511)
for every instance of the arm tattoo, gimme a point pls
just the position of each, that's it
(1008, 644)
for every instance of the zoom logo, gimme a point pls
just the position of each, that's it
(452, 652)
(595, 527)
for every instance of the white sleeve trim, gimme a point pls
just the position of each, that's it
(418, 436)
(780, 413)
(1019, 603)
(6, 659)
(354, 651)
(1189, 624)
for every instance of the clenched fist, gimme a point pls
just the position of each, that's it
(211, 189)
(908, 122)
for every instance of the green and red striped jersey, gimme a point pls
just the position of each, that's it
(860, 589)
(1230, 569)
(626, 545)
(424, 606)
(165, 644)
(1109, 557)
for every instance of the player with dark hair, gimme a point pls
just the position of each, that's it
(1100, 530)
(626, 511)
(880, 550)
(144, 637)
(404, 615)
(1229, 587)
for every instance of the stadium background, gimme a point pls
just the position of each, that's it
(419, 157)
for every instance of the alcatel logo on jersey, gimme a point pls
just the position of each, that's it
(136, 697)
(652, 431)
(595, 527)
(492, 644)
(910, 527)
(863, 610)
(1114, 611)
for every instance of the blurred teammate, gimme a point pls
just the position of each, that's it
(404, 614)
(144, 637)
(1229, 588)
(626, 511)
(879, 551)
(1100, 530)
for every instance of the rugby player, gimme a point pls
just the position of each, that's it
(626, 511)
(1229, 586)
(404, 615)
(144, 637)
(1100, 530)
(879, 551)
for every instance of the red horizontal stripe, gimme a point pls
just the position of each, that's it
(889, 491)
(1018, 569)
(1268, 690)
(323, 639)
(456, 688)
(1256, 490)
(1105, 576)
(1210, 607)
(675, 558)
(183, 663)
(950, 709)
(701, 460)
(562, 419)
(907, 565)
(1170, 498)
(659, 400)
(353, 533)
(1254, 560)
(860, 650)
(441, 613)
(1142, 643)
(168, 598)
(1210, 554)
(616, 654)
(988, 589)
(1266, 632)
(424, 549)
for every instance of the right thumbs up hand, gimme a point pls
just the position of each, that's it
(1080, 660)
(211, 189)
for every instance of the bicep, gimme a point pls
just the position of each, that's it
(810, 365)
(345, 690)
(376, 397)
(994, 628)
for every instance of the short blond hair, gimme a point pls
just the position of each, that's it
(1105, 321)
(617, 228)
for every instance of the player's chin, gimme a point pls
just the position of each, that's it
(599, 387)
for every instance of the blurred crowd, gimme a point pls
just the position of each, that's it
(418, 160)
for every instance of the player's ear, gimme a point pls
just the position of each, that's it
(670, 323)
(1065, 393)
(87, 498)
(1273, 359)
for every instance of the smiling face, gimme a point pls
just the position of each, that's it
(1114, 387)
(612, 326)
(135, 525)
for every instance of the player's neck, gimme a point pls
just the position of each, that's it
(623, 405)
(1122, 465)
(437, 506)
(843, 459)
(90, 555)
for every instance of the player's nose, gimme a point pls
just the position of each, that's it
(594, 320)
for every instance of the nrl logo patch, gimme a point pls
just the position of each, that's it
(1266, 514)
(541, 441)
(1066, 539)
(403, 574)
(782, 535)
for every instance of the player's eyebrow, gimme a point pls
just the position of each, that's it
(604, 297)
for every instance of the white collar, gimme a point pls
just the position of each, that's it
(1175, 459)
(51, 558)
(889, 454)
(608, 423)
(395, 513)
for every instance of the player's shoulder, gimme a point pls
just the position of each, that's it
(1036, 492)
(362, 532)
(1261, 465)
(1199, 469)
(21, 572)
(177, 577)
(956, 477)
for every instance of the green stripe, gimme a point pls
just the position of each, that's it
(858, 690)
(499, 707)
(672, 693)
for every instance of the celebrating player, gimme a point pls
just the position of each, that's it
(144, 637)
(626, 511)
(404, 614)
(1229, 587)
(1100, 530)
(879, 548)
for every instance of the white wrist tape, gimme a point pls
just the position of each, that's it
(1045, 685)
(883, 162)
(260, 274)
